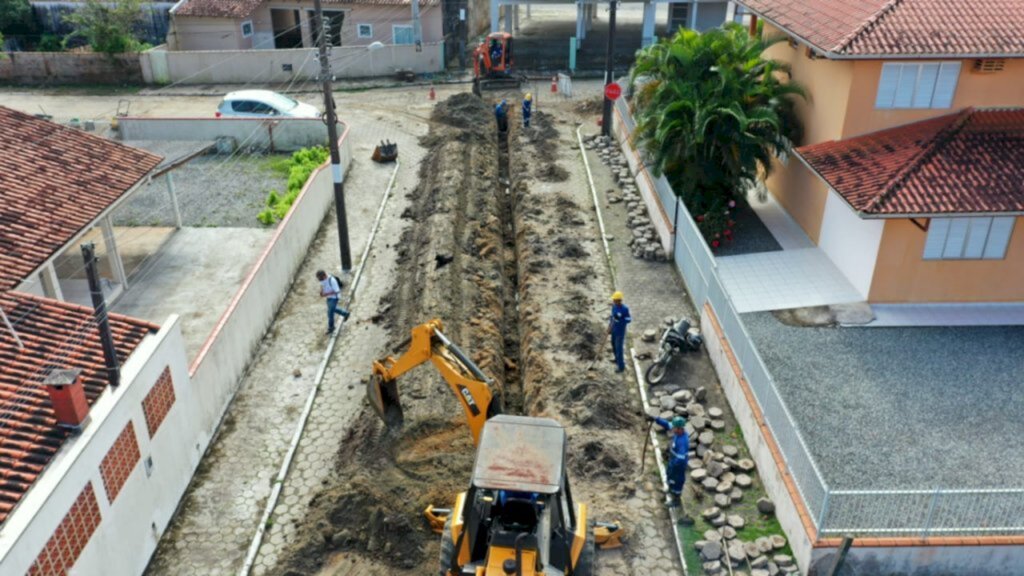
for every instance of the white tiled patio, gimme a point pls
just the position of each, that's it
(799, 275)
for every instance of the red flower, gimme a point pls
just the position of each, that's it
(728, 232)
(700, 218)
(714, 243)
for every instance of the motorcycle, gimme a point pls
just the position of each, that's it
(678, 338)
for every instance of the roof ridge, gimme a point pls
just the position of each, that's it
(869, 23)
(941, 138)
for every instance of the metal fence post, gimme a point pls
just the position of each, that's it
(931, 513)
(824, 511)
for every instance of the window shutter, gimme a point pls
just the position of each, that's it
(999, 237)
(887, 85)
(933, 245)
(977, 234)
(905, 89)
(925, 86)
(945, 86)
(956, 238)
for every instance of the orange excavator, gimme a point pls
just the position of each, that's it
(493, 64)
(518, 517)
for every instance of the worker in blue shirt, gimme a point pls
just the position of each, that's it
(617, 323)
(527, 109)
(679, 452)
(501, 115)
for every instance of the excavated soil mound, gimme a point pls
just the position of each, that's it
(450, 267)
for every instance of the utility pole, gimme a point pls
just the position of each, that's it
(99, 305)
(331, 117)
(606, 113)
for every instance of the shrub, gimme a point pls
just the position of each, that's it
(299, 168)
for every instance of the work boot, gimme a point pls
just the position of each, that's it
(673, 501)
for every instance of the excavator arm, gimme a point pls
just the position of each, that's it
(428, 344)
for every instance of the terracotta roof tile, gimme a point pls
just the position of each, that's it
(55, 334)
(895, 28)
(969, 162)
(54, 181)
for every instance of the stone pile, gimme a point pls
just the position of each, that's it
(644, 242)
(723, 475)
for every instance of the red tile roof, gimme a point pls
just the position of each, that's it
(968, 162)
(54, 181)
(244, 8)
(899, 28)
(55, 334)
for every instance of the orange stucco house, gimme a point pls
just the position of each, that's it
(911, 173)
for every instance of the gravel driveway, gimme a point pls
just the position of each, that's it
(213, 190)
(889, 408)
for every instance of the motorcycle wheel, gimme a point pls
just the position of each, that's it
(656, 371)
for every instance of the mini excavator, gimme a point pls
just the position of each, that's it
(493, 64)
(518, 517)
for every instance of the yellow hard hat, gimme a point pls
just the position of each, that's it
(529, 96)
(617, 295)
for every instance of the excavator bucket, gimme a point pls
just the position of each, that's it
(383, 396)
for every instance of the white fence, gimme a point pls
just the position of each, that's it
(889, 513)
(221, 362)
(162, 66)
(274, 134)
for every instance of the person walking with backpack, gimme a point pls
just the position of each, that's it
(330, 289)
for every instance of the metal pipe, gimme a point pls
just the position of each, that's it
(458, 353)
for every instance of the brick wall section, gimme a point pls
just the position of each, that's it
(119, 462)
(158, 401)
(62, 550)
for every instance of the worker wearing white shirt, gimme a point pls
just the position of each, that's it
(330, 288)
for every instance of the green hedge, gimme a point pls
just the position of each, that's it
(298, 168)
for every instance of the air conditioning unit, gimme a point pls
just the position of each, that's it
(988, 65)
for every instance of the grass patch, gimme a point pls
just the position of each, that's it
(299, 167)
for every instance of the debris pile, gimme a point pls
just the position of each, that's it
(644, 242)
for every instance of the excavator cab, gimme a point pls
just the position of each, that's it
(493, 64)
(518, 516)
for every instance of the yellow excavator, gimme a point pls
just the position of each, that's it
(518, 517)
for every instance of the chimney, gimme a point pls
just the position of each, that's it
(67, 395)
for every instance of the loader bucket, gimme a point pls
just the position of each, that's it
(383, 396)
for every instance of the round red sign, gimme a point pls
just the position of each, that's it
(612, 91)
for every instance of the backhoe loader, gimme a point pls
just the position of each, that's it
(518, 517)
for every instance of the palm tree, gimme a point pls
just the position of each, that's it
(712, 113)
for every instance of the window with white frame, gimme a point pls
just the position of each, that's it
(402, 34)
(973, 238)
(365, 30)
(923, 85)
(246, 28)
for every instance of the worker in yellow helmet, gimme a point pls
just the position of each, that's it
(527, 109)
(617, 328)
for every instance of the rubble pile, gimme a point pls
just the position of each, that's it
(644, 242)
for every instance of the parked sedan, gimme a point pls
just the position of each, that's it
(263, 103)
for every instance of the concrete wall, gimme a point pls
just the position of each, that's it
(268, 66)
(710, 14)
(850, 242)
(282, 134)
(132, 524)
(924, 560)
(70, 68)
(221, 362)
(189, 33)
(903, 275)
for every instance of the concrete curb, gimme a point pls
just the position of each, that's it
(282, 475)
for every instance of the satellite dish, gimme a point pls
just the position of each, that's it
(375, 46)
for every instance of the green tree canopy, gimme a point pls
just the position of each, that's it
(108, 26)
(14, 14)
(711, 113)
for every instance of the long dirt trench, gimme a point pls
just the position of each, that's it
(504, 253)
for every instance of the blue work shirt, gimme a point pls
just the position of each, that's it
(499, 111)
(680, 448)
(619, 319)
(527, 107)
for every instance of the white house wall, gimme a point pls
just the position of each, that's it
(131, 525)
(850, 242)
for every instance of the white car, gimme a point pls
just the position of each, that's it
(263, 103)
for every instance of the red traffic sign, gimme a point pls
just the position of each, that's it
(612, 91)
